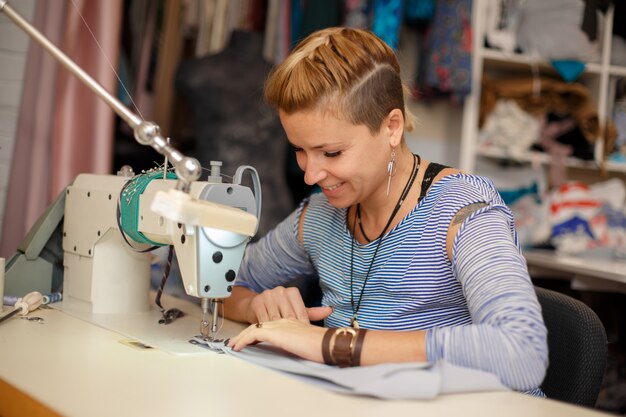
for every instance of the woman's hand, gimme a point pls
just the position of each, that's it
(283, 303)
(294, 336)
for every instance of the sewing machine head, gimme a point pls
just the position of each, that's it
(105, 270)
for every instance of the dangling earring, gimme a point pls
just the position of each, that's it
(390, 168)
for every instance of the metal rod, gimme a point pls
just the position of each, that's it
(129, 117)
(11, 314)
(146, 133)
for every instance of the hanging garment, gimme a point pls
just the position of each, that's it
(387, 19)
(448, 63)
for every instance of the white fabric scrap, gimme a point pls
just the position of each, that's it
(510, 128)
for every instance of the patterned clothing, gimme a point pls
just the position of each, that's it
(480, 310)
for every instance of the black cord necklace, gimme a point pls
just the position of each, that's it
(358, 220)
(355, 310)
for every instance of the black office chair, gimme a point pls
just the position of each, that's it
(578, 349)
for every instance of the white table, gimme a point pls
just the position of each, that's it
(585, 273)
(74, 368)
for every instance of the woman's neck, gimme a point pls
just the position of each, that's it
(375, 212)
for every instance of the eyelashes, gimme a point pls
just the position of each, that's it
(332, 154)
(326, 154)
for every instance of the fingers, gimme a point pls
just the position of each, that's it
(248, 336)
(319, 313)
(293, 336)
(279, 303)
(296, 304)
(259, 311)
(257, 332)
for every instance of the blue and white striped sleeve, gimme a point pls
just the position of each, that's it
(276, 259)
(508, 337)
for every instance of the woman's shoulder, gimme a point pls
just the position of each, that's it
(461, 185)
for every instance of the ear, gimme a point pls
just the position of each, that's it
(394, 127)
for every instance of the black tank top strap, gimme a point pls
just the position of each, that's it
(432, 170)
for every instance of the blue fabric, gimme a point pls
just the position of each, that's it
(569, 70)
(510, 196)
(387, 20)
(419, 9)
(572, 226)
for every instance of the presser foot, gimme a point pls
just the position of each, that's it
(208, 332)
(216, 345)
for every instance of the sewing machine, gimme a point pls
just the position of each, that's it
(105, 272)
(110, 219)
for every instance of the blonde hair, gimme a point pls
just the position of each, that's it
(350, 73)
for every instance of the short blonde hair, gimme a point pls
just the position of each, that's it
(350, 73)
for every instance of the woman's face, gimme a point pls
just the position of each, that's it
(345, 160)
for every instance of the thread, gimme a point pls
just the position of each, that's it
(2, 265)
(129, 204)
(10, 300)
(52, 297)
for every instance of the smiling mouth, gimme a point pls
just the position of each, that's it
(333, 187)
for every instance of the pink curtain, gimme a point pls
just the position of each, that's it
(63, 128)
(83, 126)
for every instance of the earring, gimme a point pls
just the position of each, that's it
(390, 168)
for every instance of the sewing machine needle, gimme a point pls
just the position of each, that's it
(204, 324)
(214, 319)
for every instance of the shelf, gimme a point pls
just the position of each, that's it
(511, 60)
(599, 78)
(534, 157)
(619, 71)
(615, 166)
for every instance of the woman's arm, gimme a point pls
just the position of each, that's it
(247, 306)
(270, 263)
(305, 340)
(508, 337)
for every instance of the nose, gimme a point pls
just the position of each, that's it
(313, 169)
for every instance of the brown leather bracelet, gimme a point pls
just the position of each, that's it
(358, 347)
(326, 347)
(342, 348)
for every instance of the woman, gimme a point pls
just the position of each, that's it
(416, 261)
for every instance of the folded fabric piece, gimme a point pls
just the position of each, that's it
(570, 69)
(588, 218)
(543, 95)
(394, 381)
(551, 29)
(510, 128)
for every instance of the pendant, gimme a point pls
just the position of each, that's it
(354, 323)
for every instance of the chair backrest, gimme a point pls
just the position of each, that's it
(577, 345)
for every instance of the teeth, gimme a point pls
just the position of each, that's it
(333, 187)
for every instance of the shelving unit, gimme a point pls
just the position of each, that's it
(597, 77)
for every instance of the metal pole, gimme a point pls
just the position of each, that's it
(146, 133)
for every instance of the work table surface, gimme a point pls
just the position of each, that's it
(76, 368)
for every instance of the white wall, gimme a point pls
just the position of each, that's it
(13, 47)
